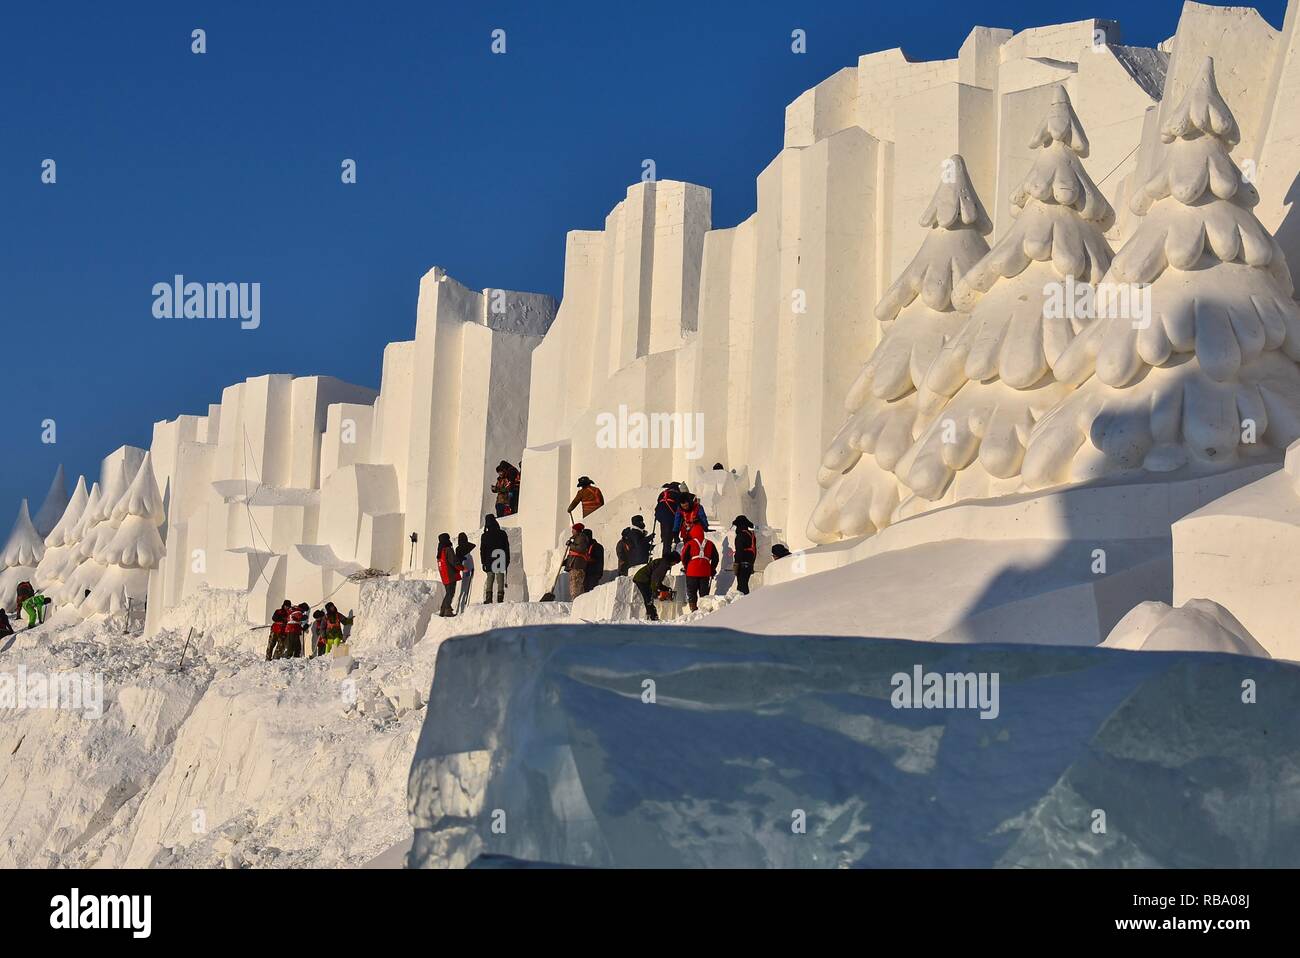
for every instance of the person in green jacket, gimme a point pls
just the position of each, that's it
(35, 609)
(334, 622)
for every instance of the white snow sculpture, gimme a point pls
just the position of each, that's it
(55, 504)
(59, 544)
(860, 493)
(74, 573)
(1198, 625)
(135, 546)
(996, 375)
(22, 553)
(1208, 376)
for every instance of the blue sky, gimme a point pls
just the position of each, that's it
(225, 167)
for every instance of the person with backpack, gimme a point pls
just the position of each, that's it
(494, 557)
(589, 497)
(649, 581)
(507, 489)
(35, 607)
(638, 545)
(25, 592)
(595, 566)
(279, 622)
(666, 515)
(318, 633)
(746, 548)
(689, 515)
(465, 560)
(576, 553)
(700, 557)
(335, 622)
(448, 572)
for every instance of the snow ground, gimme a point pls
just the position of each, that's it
(231, 761)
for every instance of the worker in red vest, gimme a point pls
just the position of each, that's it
(666, 515)
(700, 557)
(746, 545)
(577, 555)
(689, 515)
(279, 619)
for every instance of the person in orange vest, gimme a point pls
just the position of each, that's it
(700, 557)
(689, 515)
(577, 554)
(746, 547)
(448, 572)
(589, 495)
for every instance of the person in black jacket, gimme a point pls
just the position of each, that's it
(634, 546)
(746, 549)
(649, 580)
(595, 566)
(494, 557)
(666, 514)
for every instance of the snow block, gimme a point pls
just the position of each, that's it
(748, 735)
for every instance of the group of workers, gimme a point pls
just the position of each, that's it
(682, 528)
(325, 628)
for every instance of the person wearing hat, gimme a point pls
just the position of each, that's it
(690, 513)
(746, 549)
(577, 553)
(666, 514)
(634, 546)
(700, 556)
(589, 496)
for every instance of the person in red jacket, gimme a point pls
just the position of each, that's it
(700, 556)
(293, 626)
(448, 571)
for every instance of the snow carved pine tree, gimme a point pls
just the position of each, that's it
(1202, 372)
(983, 394)
(135, 546)
(860, 492)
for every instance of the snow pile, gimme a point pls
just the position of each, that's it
(1198, 625)
(634, 746)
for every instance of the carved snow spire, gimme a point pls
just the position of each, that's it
(1060, 125)
(24, 546)
(1057, 176)
(61, 534)
(1202, 111)
(56, 502)
(956, 220)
